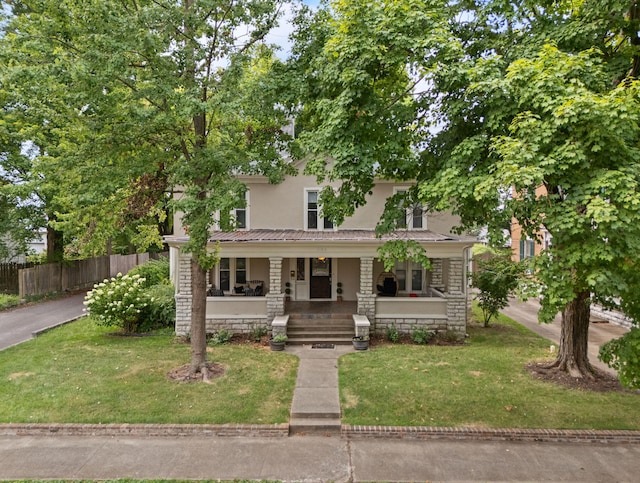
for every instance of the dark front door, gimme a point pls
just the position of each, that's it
(320, 286)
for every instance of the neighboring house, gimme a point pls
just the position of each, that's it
(284, 249)
(37, 246)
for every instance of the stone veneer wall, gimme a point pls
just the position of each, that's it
(183, 296)
(236, 326)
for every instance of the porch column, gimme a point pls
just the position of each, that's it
(437, 280)
(275, 297)
(456, 276)
(183, 293)
(366, 297)
(456, 298)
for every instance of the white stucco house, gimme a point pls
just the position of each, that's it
(284, 253)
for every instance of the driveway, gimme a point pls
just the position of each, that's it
(21, 324)
(599, 333)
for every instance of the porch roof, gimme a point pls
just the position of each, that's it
(265, 235)
(341, 243)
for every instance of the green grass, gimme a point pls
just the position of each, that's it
(481, 384)
(7, 301)
(79, 373)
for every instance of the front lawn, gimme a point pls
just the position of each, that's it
(481, 384)
(79, 373)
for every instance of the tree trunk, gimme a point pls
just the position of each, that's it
(55, 245)
(198, 318)
(573, 357)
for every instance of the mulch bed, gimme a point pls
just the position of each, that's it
(601, 381)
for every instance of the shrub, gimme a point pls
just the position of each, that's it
(160, 311)
(155, 272)
(257, 332)
(119, 302)
(7, 301)
(222, 336)
(496, 279)
(391, 333)
(421, 335)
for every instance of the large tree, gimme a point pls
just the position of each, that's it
(499, 110)
(155, 95)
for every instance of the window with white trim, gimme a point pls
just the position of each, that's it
(239, 217)
(232, 272)
(313, 219)
(410, 276)
(415, 216)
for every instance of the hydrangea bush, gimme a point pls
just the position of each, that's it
(119, 301)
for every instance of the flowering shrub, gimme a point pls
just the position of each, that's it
(119, 301)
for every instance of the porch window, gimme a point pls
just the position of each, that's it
(314, 220)
(415, 281)
(232, 272)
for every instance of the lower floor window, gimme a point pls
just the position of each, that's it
(410, 276)
(232, 272)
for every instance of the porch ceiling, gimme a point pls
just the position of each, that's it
(341, 243)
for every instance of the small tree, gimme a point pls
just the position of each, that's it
(497, 279)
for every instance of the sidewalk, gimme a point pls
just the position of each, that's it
(22, 323)
(313, 459)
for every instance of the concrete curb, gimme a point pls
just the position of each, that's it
(38, 332)
(145, 430)
(492, 434)
(347, 432)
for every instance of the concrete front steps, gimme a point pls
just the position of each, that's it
(322, 329)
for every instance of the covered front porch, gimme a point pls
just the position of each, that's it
(324, 275)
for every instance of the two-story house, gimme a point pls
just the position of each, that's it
(284, 256)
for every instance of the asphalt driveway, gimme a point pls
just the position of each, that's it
(22, 323)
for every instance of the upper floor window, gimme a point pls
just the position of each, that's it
(527, 249)
(237, 218)
(415, 217)
(312, 208)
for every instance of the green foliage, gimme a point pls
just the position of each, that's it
(280, 338)
(7, 300)
(219, 337)
(160, 311)
(508, 126)
(119, 301)
(154, 272)
(496, 278)
(421, 335)
(391, 333)
(257, 332)
(623, 355)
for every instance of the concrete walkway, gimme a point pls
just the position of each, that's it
(315, 408)
(526, 313)
(22, 323)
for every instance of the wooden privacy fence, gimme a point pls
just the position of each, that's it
(77, 274)
(9, 273)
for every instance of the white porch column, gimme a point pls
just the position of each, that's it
(275, 297)
(366, 296)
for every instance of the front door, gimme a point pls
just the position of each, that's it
(320, 283)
